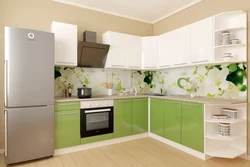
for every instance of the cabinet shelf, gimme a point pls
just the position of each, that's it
(230, 29)
(228, 138)
(226, 152)
(227, 46)
(231, 121)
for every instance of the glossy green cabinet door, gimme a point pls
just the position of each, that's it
(122, 118)
(67, 128)
(193, 126)
(156, 116)
(139, 116)
(172, 120)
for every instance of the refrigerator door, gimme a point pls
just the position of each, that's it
(29, 67)
(29, 133)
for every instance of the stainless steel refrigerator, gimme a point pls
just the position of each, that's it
(28, 94)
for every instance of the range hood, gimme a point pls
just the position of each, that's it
(91, 54)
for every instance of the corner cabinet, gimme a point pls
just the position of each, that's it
(65, 43)
(67, 124)
(122, 118)
(150, 50)
(139, 115)
(192, 127)
(202, 41)
(156, 116)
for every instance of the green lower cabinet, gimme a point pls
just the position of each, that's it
(67, 128)
(122, 118)
(93, 139)
(193, 126)
(139, 116)
(156, 116)
(172, 120)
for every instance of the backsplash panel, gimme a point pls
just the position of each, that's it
(225, 80)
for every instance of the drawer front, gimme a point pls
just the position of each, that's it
(65, 106)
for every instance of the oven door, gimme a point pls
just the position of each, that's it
(96, 121)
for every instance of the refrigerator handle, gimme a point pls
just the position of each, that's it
(5, 131)
(6, 83)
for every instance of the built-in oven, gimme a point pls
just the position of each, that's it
(96, 118)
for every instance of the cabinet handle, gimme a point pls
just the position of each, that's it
(119, 101)
(180, 64)
(6, 83)
(66, 104)
(134, 66)
(165, 66)
(194, 105)
(6, 133)
(201, 61)
(68, 113)
(61, 62)
(94, 111)
(151, 67)
(173, 102)
(117, 66)
(140, 99)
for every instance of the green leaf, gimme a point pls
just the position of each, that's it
(210, 95)
(139, 72)
(146, 73)
(57, 72)
(179, 82)
(86, 81)
(218, 66)
(236, 77)
(242, 88)
(232, 67)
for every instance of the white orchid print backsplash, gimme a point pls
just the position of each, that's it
(225, 80)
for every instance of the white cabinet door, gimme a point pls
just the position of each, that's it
(202, 41)
(181, 46)
(150, 50)
(116, 57)
(65, 43)
(166, 50)
(133, 52)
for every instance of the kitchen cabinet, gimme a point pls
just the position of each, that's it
(67, 124)
(150, 51)
(65, 43)
(122, 118)
(139, 115)
(172, 120)
(166, 50)
(133, 52)
(202, 41)
(156, 116)
(97, 138)
(193, 126)
(116, 56)
(180, 45)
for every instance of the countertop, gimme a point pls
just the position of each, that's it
(204, 100)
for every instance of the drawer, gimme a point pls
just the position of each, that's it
(64, 106)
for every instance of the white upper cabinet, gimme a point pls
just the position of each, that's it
(181, 46)
(202, 41)
(116, 57)
(65, 43)
(166, 50)
(133, 52)
(150, 51)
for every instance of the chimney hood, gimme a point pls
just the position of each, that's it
(91, 54)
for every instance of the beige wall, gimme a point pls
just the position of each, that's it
(38, 14)
(202, 10)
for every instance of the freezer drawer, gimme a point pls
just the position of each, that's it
(29, 133)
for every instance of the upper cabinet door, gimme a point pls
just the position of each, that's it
(65, 43)
(133, 52)
(116, 57)
(166, 50)
(150, 50)
(181, 46)
(202, 41)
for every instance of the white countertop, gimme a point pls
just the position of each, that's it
(204, 100)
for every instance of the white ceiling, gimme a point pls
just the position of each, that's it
(150, 11)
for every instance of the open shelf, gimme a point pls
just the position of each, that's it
(231, 121)
(218, 137)
(230, 29)
(226, 46)
(226, 152)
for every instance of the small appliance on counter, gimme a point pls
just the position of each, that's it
(84, 92)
